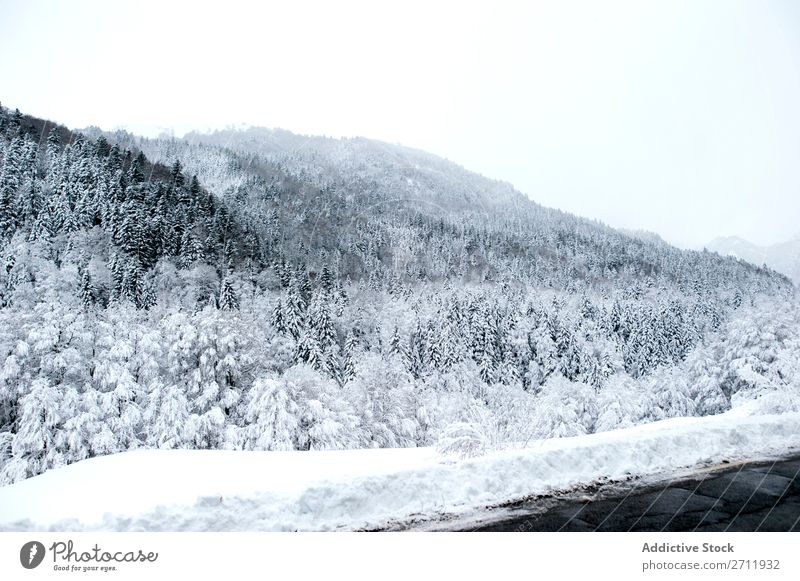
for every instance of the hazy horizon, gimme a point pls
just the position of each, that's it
(677, 118)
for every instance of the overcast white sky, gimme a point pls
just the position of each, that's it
(678, 117)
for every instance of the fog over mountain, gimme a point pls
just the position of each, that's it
(783, 257)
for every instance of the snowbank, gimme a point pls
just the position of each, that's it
(169, 490)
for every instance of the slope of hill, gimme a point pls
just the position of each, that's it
(427, 207)
(265, 295)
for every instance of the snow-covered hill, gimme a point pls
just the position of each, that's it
(394, 169)
(783, 257)
(275, 292)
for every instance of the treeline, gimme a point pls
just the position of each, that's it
(512, 336)
(78, 382)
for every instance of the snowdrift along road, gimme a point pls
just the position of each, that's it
(177, 490)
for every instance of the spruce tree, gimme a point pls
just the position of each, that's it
(350, 355)
(318, 320)
(175, 174)
(396, 345)
(277, 318)
(228, 301)
(102, 147)
(135, 174)
(294, 311)
(87, 290)
(326, 280)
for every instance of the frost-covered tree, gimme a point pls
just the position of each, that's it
(167, 417)
(383, 394)
(565, 408)
(34, 445)
(228, 301)
(272, 416)
(87, 290)
(326, 421)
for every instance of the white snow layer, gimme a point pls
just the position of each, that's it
(177, 490)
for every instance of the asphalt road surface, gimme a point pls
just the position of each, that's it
(751, 496)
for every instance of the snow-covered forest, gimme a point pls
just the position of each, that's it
(260, 290)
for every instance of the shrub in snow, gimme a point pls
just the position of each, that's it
(703, 370)
(507, 416)
(778, 401)
(448, 398)
(383, 396)
(620, 403)
(301, 410)
(752, 349)
(463, 440)
(564, 408)
(668, 395)
(326, 421)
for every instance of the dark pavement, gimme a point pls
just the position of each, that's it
(757, 496)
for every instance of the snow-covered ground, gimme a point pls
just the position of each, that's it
(169, 490)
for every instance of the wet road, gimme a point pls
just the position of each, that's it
(757, 496)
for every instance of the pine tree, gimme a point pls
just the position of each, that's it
(736, 302)
(101, 146)
(588, 310)
(194, 191)
(396, 345)
(277, 318)
(14, 128)
(283, 271)
(8, 211)
(191, 249)
(486, 367)
(176, 175)
(10, 181)
(148, 297)
(326, 280)
(309, 351)
(350, 355)
(318, 321)
(117, 276)
(434, 355)
(294, 311)
(135, 171)
(52, 156)
(570, 356)
(416, 351)
(228, 301)
(132, 273)
(452, 346)
(134, 236)
(87, 290)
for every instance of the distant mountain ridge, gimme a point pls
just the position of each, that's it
(400, 170)
(783, 257)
